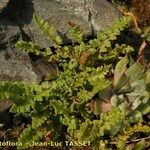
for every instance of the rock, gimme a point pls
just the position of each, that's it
(14, 64)
(91, 16)
(102, 14)
(16, 71)
(18, 10)
(9, 34)
(3, 3)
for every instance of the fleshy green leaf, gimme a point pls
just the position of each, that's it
(120, 69)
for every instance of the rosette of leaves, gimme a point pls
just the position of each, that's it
(130, 89)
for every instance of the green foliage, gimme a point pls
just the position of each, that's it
(82, 78)
(34, 48)
(96, 130)
(20, 93)
(48, 31)
(130, 133)
(34, 135)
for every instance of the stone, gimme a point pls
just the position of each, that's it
(14, 70)
(91, 16)
(14, 64)
(102, 14)
(9, 34)
(3, 4)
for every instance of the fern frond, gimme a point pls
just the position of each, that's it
(48, 30)
(28, 136)
(21, 94)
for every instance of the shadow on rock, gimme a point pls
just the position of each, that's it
(18, 11)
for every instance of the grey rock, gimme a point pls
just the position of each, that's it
(3, 4)
(14, 63)
(9, 34)
(16, 70)
(102, 14)
(90, 15)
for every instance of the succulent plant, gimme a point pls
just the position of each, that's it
(130, 89)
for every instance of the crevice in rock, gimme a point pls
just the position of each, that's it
(24, 36)
(18, 11)
(89, 16)
(90, 20)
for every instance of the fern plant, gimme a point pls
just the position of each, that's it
(62, 105)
